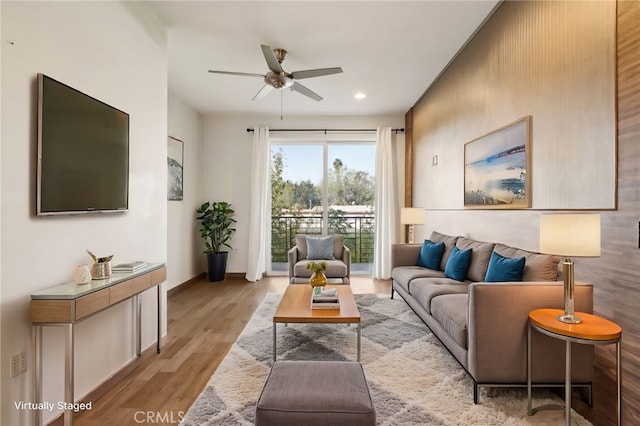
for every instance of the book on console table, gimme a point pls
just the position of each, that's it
(129, 267)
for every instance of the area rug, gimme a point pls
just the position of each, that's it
(413, 379)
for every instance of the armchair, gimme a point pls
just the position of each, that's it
(338, 270)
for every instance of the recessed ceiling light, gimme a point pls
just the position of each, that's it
(359, 95)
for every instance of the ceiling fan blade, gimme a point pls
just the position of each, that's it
(305, 91)
(266, 89)
(298, 75)
(271, 59)
(244, 74)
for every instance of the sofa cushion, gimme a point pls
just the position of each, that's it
(319, 248)
(450, 311)
(504, 269)
(449, 244)
(404, 275)
(458, 264)
(430, 255)
(480, 255)
(335, 269)
(537, 267)
(424, 290)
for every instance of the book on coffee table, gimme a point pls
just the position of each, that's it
(325, 305)
(325, 300)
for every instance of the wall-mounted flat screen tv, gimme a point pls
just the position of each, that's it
(83, 152)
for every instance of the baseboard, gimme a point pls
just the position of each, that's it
(113, 380)
(185, 284)
(235, 275)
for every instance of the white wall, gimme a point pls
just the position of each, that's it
(184, 246)
(226, 162)
(115, 53)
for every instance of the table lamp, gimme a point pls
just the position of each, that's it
(570, 235)
(411, 216)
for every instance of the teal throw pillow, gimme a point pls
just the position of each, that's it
(458, 264)
(320, 248)
(430, 255)
(504, 269)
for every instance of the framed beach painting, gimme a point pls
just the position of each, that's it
(175, 163)
(497, 168)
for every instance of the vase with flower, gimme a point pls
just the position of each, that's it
(318, 279)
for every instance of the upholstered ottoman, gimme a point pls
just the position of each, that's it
(311, 393)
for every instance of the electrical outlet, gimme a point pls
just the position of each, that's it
(15, 365)
(18, 364)
(23, 362)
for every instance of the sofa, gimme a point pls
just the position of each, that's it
(338, 259)
(484, 324)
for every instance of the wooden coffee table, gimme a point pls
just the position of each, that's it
(295, 307)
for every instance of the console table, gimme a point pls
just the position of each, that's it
(68, 304)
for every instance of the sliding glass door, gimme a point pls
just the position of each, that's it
(322, 188)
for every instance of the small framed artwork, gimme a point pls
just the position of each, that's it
(175, 164)
(497, 168)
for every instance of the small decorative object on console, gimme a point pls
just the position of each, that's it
(82, 274)
(101, 267)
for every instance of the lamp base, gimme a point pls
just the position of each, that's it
(569, 319)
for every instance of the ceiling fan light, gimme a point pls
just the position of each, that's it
(278, 81)
(360, 95)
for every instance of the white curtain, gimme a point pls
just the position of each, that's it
(260, 158)
(385, 204)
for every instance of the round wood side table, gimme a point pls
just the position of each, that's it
(593, 330)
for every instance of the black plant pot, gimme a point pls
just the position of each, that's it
(217, 264)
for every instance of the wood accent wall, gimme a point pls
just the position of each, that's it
(616, 274)
(554, 61)
(408, 158)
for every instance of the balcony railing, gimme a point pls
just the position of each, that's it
(357, 231)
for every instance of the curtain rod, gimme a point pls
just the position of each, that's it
(328, 130)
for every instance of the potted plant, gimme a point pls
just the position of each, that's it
(216, 229)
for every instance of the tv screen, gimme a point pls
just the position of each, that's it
(83, 152)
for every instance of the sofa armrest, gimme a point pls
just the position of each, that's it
(346, 258)
(292, 257)
(404, 254)
(497, 326)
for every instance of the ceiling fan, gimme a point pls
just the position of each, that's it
(277, 78)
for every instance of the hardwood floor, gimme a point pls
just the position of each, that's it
(204, 319)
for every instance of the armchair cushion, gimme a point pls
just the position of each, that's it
(335, 269)
(319, 248)
(301, 246)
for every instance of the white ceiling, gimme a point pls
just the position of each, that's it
(390, 50)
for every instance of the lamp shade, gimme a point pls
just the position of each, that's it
(571, 235)
(411, 216)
